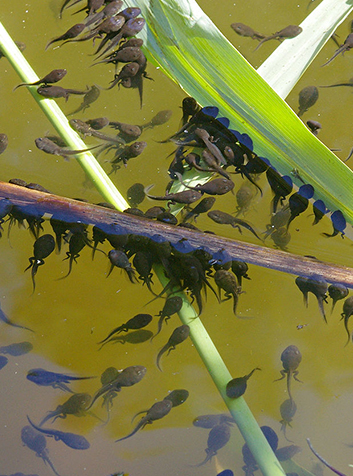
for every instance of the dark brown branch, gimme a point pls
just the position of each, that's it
(114, 222)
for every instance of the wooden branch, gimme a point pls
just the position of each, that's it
(113, 222)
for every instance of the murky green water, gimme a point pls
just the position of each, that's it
(70, 316)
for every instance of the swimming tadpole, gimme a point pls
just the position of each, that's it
(137, 322)
(52, 379)
(218, 437)
(346, 314)
(75, 405)
(76, 442)
(156, 412)
(336, 293)
(237, 386)
(36, 442)
(178, 336)
(287, 409)
(42, 248)
(291, 358)
(227, 281)
(171, 306)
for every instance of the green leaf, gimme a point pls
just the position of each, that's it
(194, 53)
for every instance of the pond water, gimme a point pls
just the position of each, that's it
(71, 315)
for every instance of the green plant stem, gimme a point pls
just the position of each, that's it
(203, 343)
(53, 112)
(238, 408)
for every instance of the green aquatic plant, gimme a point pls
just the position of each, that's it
(244, 95)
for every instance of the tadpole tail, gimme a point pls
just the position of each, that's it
(243, 171)
(160, 353)
(34, 272)
(140, 425)
(346, 319)
(235, 303)
(337, 85)
(148, 284)
(63, 7)
(50, 415)
(283, 429)
(289, 375)
(114, 331)
(320, 302)
(131, 275)
(337, 52)
(137, 414)
(113, 43)
(262, 42)
(111, 269)
(48, 461)
(248, 227)
(7, 321)
(208, 458)
(51, 42)
(70, 268)
(99, 393)
(160, 323)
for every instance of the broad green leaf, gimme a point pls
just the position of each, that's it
(283, 69)
(194, 53)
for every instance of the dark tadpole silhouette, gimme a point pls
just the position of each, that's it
(52, 379)
(237, 386)
(307, 98)
(21, 348)
(177, 397)
(42, 248)
(75, 405)
(291, 358)
(337, 292)
(76, 442)
(119, 259)
(9, 322)
(346, 314)
(290, 31)
(250, 464)
(137, 322)
(209, 421)
(317, 286)
(339, 224)
(37, 443)
(178, 336)
(52, 77)
(287, 409)
(347, 45)
(70, 33)
(218, 437)
(227, 281)
(156, 412)
(171, 306)
(299, 201)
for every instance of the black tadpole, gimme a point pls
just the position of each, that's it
(237, 386)
(178, 336)
(172, 305)
(42, 248)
